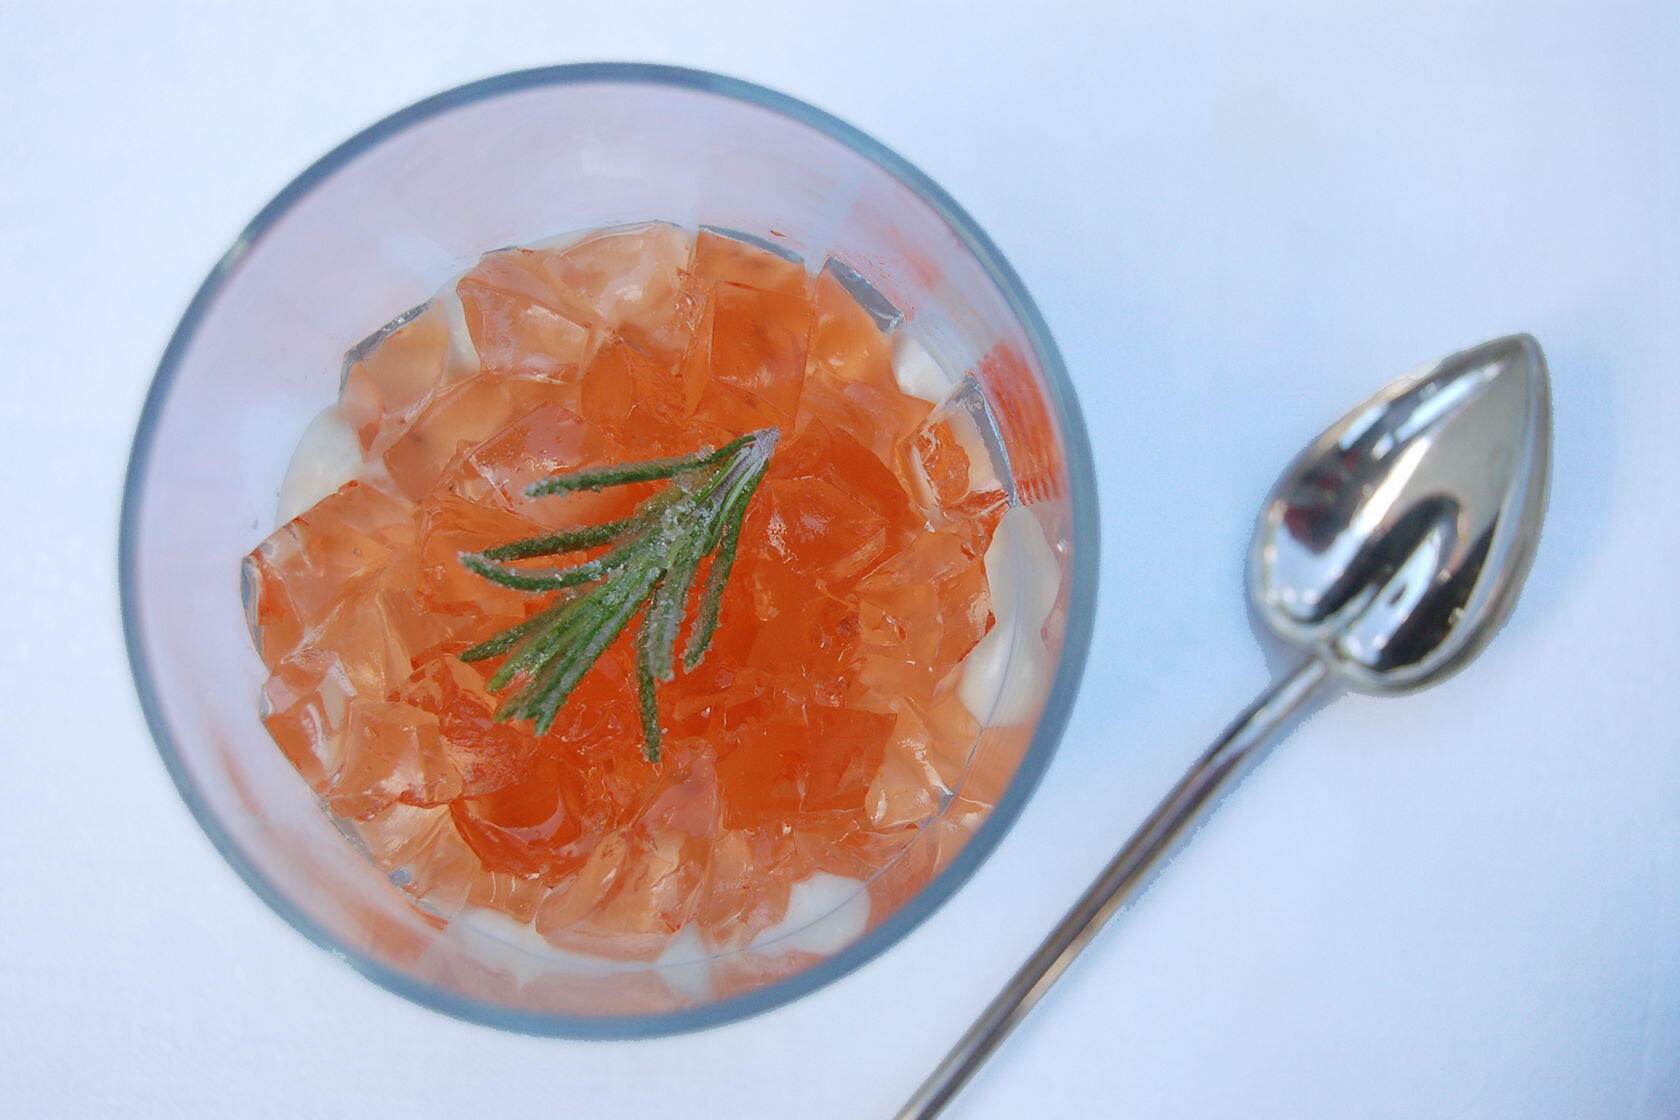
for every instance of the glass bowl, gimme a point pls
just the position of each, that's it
(373, 228)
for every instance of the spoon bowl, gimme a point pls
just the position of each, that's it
(1394, 546)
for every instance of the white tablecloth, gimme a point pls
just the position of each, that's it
(1239, 219)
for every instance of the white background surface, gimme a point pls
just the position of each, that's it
(1239, 218)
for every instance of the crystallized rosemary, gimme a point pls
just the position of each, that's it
(653, 561)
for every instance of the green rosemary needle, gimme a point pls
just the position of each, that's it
(651, 566)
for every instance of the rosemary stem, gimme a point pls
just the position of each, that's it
(652, 568)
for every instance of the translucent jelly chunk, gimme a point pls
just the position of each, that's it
(886, 315)
(824, 629)
(768, 774)
(531, 826)
(423, 854)
(847, 341)
(390, 374)
(521, 321)
(732, 257)
(507, 894)
(305, 701)
(827, 452)
(850, 366)
(487, 753)
(450, 525)
(392, 752)
(694, 369)
(951, 463)
(379, 636)
(643, 884)
(908, 788)
(929, 600)
(454, 422)
(547, 440)
(752, 875)
(632, 279)
(360, 649)
(295, 576)
(639, 406)
(613, 906)
(819, 527)
(881, 419)
(756, 352)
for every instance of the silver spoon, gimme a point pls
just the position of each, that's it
(1389, 553)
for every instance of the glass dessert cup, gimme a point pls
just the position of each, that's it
(372, 230)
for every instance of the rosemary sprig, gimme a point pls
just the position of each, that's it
(652, 566)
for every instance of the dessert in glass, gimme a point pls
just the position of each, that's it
(682, 562)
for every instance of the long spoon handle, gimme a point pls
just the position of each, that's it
(1219, 769)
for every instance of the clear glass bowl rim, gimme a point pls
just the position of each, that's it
(1081, 601)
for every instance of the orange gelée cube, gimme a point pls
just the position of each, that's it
(719, 257)
(632, 279)
(819, 527)
(297, 575)
(756, 356)
(548, 439)
(450, 525)
(520, 321)
(881, 419)
(387, 377)
(456, 421)
(846, 344)
(393, 752)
